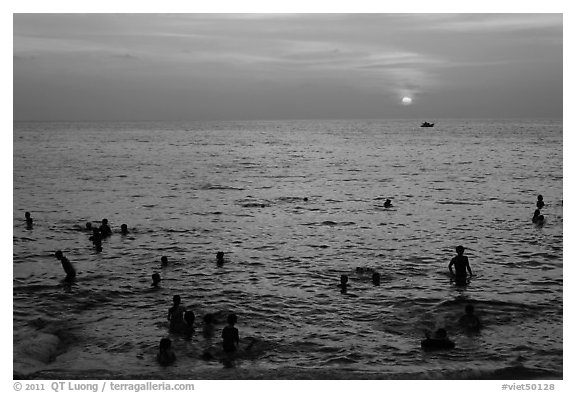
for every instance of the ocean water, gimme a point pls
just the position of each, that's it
(293, 204)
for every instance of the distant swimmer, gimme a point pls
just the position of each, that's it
(388, 203)
(164, 261)
(208, 329)
(376, 278)
(29, 220)
(105, 228)
(220, 258)
(89, 227)
(470, 321)
(343, 283)
(96, 239)
(165, 354)
(440, 340)
(188, 327)
(230, 336)
(156, 280)
(68, 268)
(461, 264)
(124, 229)
(176, 314)
(540, 202)
(537, 218)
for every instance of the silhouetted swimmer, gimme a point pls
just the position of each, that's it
(388, 203)
(165, 354)
(305, 199)
(29, 220)
(208, 329)
(220, 258)
(156, 280)
(176, 314)
(343, 283)
(96, 239)
(540, 202)
(469, 320)
(105, 228)
(376, 278)
(188, 327)
(68, 268)
(89, 227)
(124, 229)
(230, 337)
(439, 341)
(164, 261)
(537, 218)
(461, 264)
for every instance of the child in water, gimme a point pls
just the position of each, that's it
(343, 283)
(537, 218)
(29, 220)
(230, 337)
(470, 321)
(188, 327)
(165, 354)
(461, 265)
(540, 202)
(155, 280)
(176, 314)
(439, 341)
(66, 265)
(105, 230)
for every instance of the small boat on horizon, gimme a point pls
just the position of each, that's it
(426, 124)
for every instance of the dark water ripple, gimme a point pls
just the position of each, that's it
(293, 205)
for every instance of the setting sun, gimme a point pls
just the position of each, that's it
(406, 100)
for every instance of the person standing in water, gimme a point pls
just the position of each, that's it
(105, 230)
(29, 221)
(540, 202)
(461, 265)
(230, 336)
(68, 268)
(176, 314)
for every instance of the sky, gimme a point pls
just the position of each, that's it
(286, 66)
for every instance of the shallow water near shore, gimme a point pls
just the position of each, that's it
(293, 204)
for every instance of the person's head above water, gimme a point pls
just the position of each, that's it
(155, 279)
(459, 250)
(124, 228)
(376, 278)
(232, 319)
(27, 214)
(165, 344)
(344, 279)
(89, 226)
(540, 197)
(220, 255)
(58, 254)
(440, 333)
(176, 299)
(164, 260)
(189, 317)
(104, 221)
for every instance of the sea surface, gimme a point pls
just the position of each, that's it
(293, 205)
